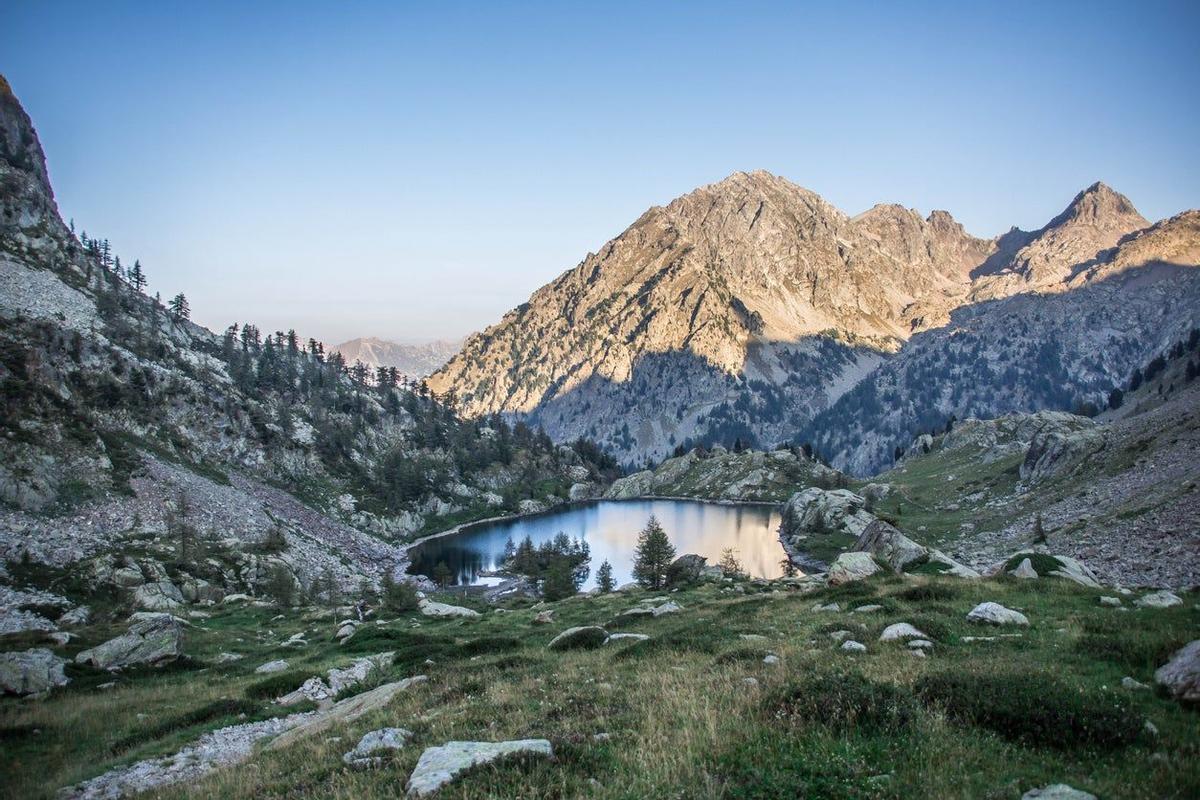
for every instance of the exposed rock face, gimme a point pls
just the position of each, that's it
(440, 765)
(1054, 453)
(891, 546)
(149, 641)
(413, 360)
(1181, 675)
(829, 509)
(375, 746)
(31, 672)
(742, 288)
(158, 596)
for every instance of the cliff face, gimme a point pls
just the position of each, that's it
(746, 307)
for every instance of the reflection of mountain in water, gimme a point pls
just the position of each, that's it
(611, 528)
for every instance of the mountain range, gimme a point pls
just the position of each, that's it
(753, 309)
(412, 360)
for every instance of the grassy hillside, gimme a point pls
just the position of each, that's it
(676, 715)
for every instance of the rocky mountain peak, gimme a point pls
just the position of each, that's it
(1100, 205)
(27, 209)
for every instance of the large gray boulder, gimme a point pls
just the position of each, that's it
(148, 641)
(584, 637)
(432, 608)
(838, 510)
(1159, 599)
(1057, 791)
(1054, 452)
(1181, 675)
(158, 596)
(688, 568)
(440, 765)
(890, 546)
(850, 567)
(31, 672)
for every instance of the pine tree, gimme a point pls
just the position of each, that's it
(604, 577)
(137, 278)
(729, 564)
(653, 555)
(179, 308)
(441, 574)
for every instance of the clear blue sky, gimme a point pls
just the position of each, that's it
(414, 170)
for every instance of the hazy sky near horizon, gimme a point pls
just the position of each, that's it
(412, 171)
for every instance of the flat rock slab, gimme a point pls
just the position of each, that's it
(431, 608)
(440, 765)
(1057, 791)
(1163, 599)
(614, 638)
(346, 710)
(996, 614)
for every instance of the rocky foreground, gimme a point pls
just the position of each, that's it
(845, 684)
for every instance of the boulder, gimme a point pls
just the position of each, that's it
(200, 591)
(900, 631)
(1159, 599)
(80, 615)
(1112, 602)
(544, 617)
(149, 641)
(669, 607)
(948, 566)
(890, 546)
(1024, 570)
(687, 568)
(854, 566)
(158, 596)
(33, 671)
(1057, 791)
(1181, 675)
(996, 614)
(337, 680)
(1055, 452)
(1074, 570)
(374, 746)
(838, 510)
(851, 646)
(613, 638)
(584, 637)
(580, 491)
(432, 608)
(531, 507)
(440, 765)
(271, 666)
(343, 711)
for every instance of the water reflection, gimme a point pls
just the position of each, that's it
(610, 527)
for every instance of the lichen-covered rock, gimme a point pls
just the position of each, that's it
(440, 765)
(583, 637)
(1159, 599)
(31, 672)
(900, 631)
(849, 567)
(1181, 675)
(148, 641)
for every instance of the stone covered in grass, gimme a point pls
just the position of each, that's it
(584, 637)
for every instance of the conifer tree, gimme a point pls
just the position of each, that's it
(137, 278)
(604, 577)
(653, 555)
(179, 308)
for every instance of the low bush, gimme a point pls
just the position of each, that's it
(740, 655)
(930, 592)
(277, 685)
(487, 645)
(842, 701)
(1032, 708)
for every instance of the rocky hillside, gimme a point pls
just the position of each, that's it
(129, 430)
(745, 308)
(414, 361)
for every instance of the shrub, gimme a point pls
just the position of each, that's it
(1032, 708)
(488, 645)
(843, 701)
(398, 598)
(276, 685)
(930, 592)
(1133, 649)
(740, 655)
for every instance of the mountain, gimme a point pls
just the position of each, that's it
(746, 308)
(413, 360)
(227, 462)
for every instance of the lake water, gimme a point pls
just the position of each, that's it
(610, 527)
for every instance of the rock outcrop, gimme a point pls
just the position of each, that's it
(149, 641)
(440, 765)
(1180, 676)
(33, 671)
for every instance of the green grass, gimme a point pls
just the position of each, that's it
(1008, 715)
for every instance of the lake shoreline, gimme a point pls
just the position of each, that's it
(406, 551)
